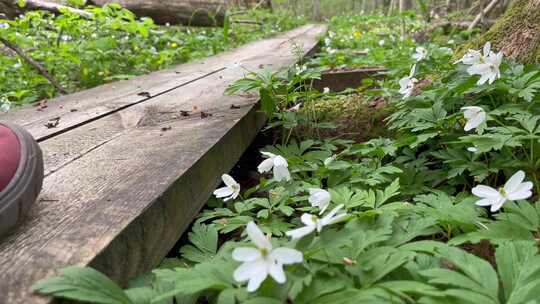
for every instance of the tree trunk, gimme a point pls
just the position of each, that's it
(405, 5)
(516, 33)
(187, 12)
(317, 10)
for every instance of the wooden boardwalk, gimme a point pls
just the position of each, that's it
(129, 164)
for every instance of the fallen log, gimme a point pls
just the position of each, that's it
(11, 8)
(186, 12)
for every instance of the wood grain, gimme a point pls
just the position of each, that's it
(123, 186)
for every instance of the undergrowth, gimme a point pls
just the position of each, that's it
(113, 44)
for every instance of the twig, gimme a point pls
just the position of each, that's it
(259, 4)
(55, 7)
(247, 22)
(237, 13)
(482, 13)
(43, 71)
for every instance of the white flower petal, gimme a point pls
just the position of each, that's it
(513, 183)
(266, 165)
(256, 281)
(223, 192)
(307, 219)
(281, 173)
(301, 232)
(326, 219)
(319, 198)
(287, 256)
(485, 191)
(257, 236)
(336, 219)
(228, 180)
(486, 202)
(475, 121)
(246, 271)
(280, 161)
(246, 254)
(498, 204)
(487, 48)
(523, 191)
(519, 195)
(276, 272)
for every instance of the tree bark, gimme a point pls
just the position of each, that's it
(516, 33)
(317, 10)
(187, 12)
(405, 5)
(11, 9)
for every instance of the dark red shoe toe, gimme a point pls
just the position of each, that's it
(21, 174)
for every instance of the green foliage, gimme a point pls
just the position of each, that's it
(84, 284)
(111, 45)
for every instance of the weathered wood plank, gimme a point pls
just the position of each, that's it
(121, 188)
(85, 106)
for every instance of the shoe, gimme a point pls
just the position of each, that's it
(21, 174)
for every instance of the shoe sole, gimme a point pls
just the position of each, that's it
(25, 186)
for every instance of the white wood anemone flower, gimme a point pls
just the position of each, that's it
(382, 42)
(514, 189)
(488, 70)
(314, 223)
(485, 64)
(231, 189)
(474, 116)
(319, 198)
(470, 58)
(407, 84)
(421, 54)
(278, 164)
(330, 160)
(258, 263)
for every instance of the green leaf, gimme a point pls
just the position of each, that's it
(205, 243)
(519, 268)
(377, 263)
(227, 296)
(473, 275)
(349, 296)
(212, 275)
(263, 300)
(83, 284)
(268, 104)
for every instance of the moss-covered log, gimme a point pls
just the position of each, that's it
(517, 33)
(187, 12)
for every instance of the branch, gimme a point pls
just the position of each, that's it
(482, 13)
(43, 71)
(55, 8)
(247, 22)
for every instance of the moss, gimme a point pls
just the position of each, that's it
(517, 33)
(355, 117)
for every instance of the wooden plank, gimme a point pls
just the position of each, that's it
(80, 108)
(122, 188)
